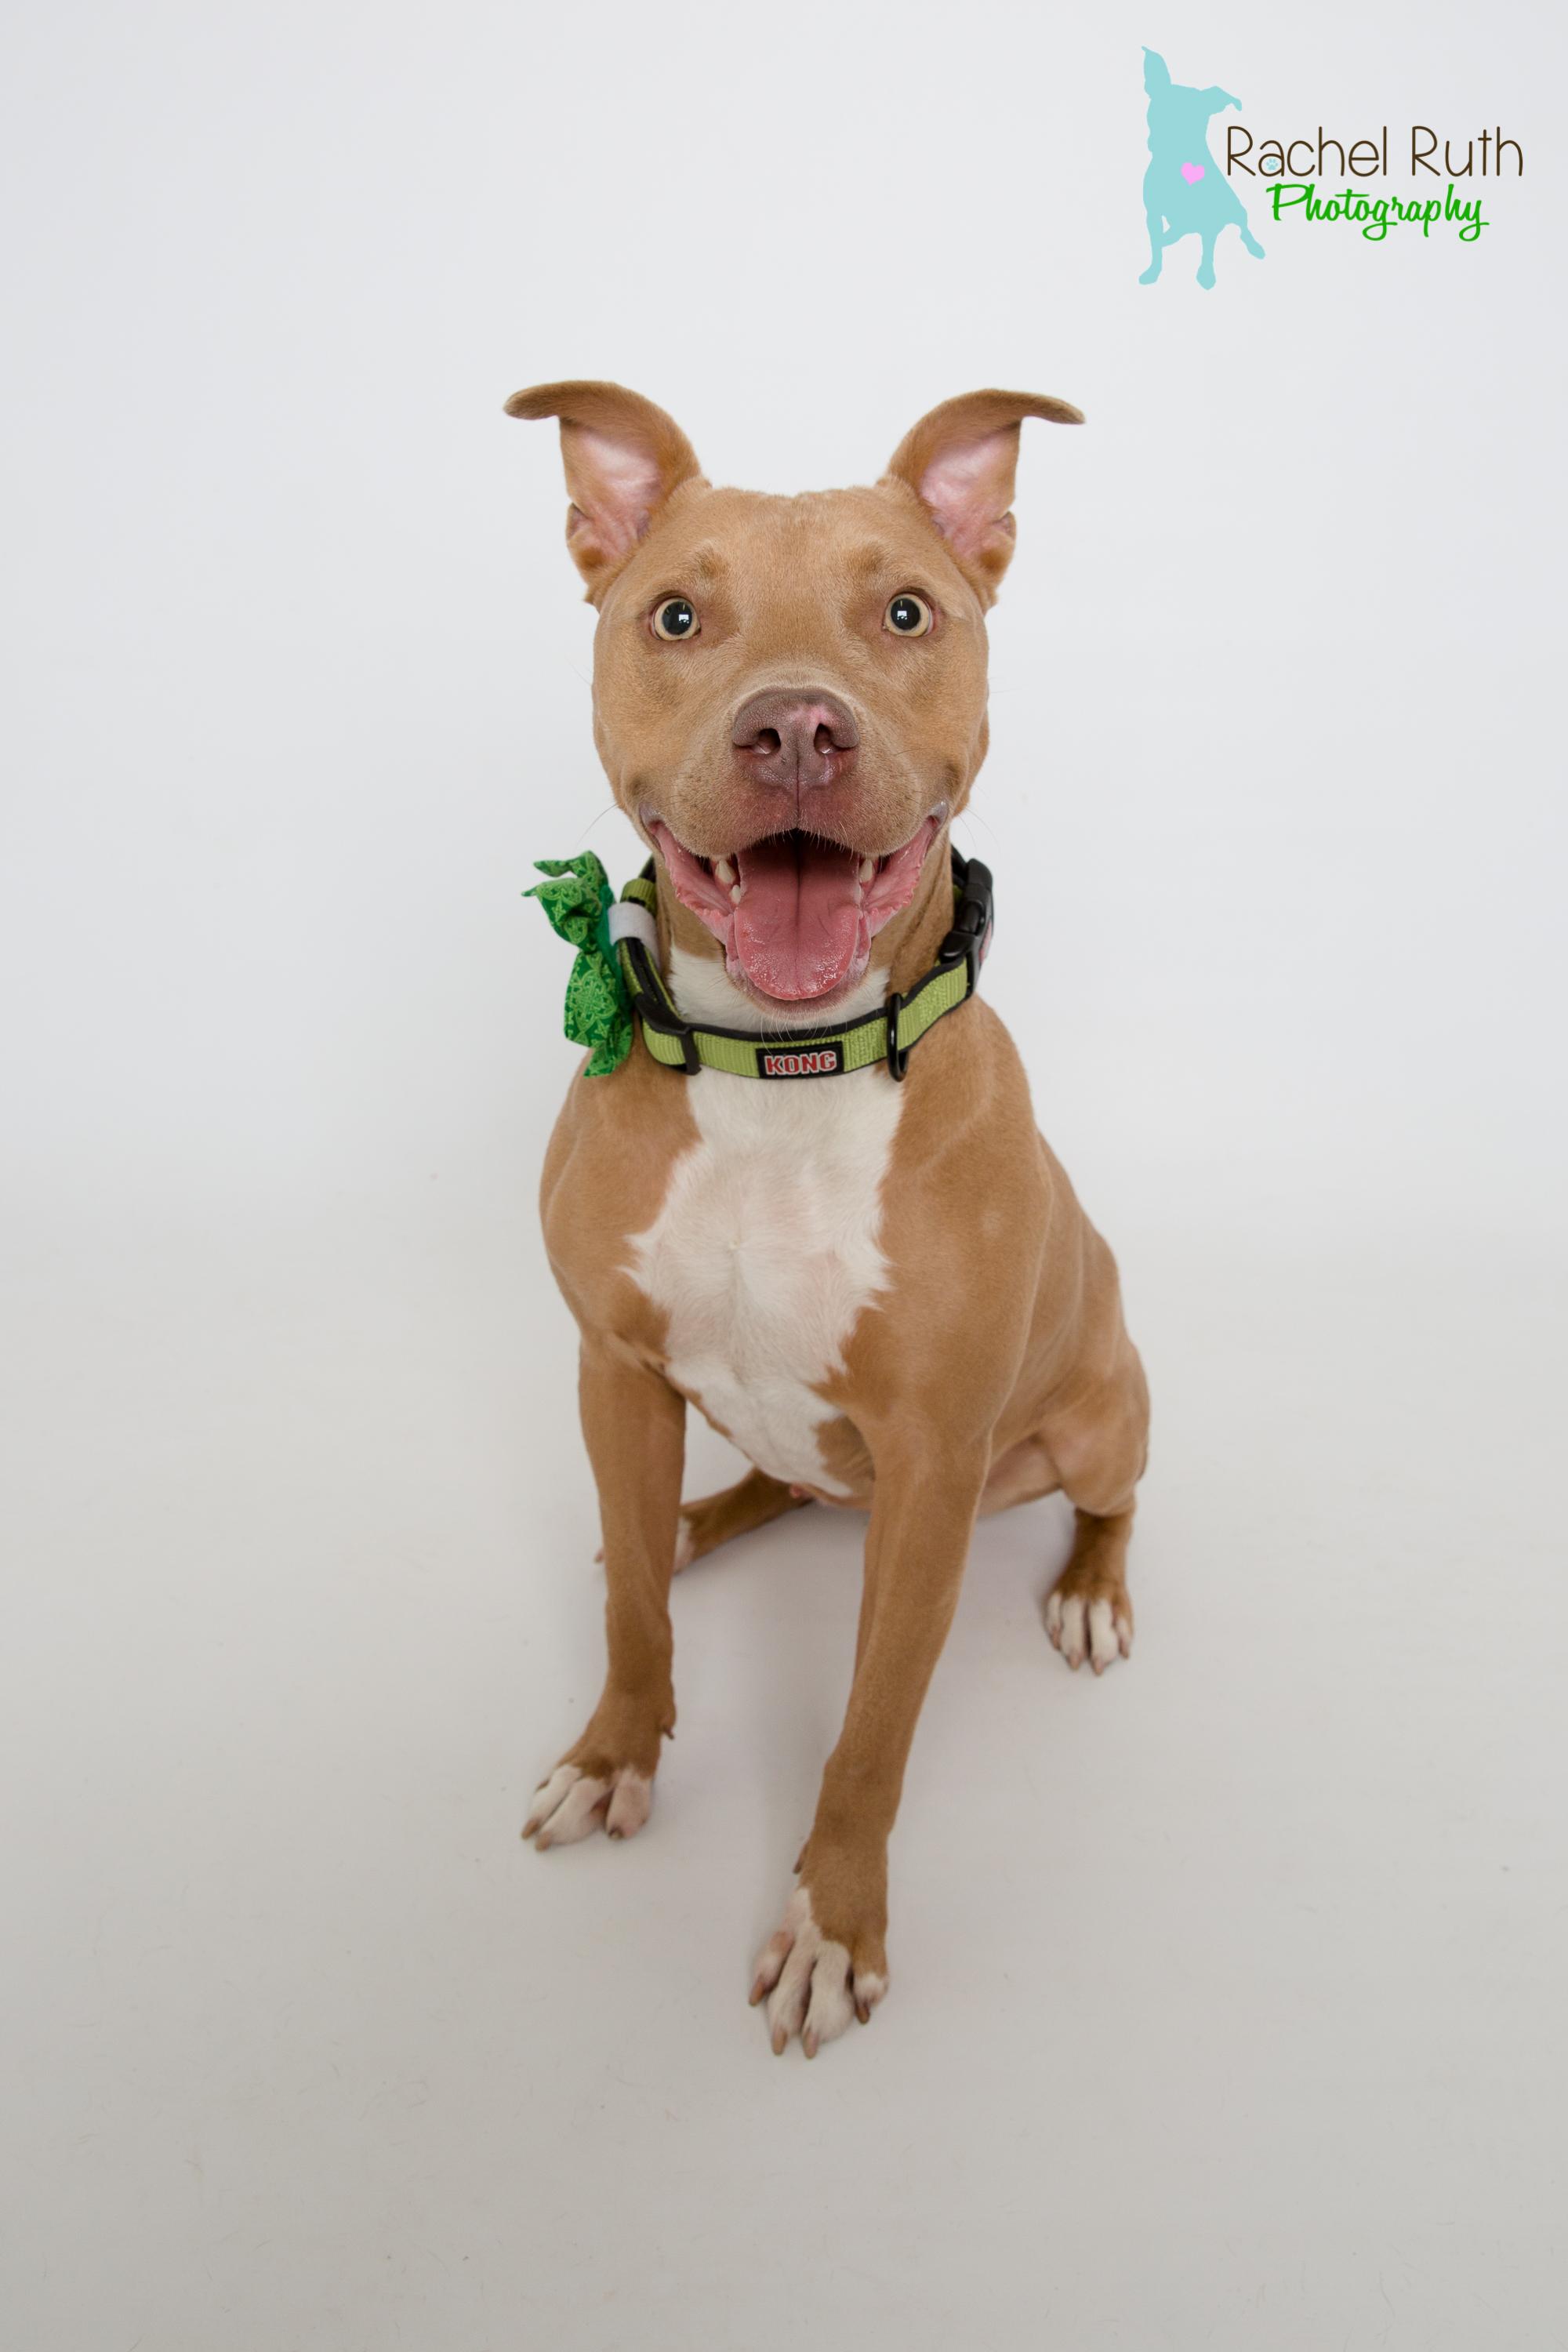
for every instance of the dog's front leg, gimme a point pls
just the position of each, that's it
(829, 1961)
(635, 1424)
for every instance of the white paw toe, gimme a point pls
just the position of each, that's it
(631, 1802)
(1101, 1635)
(1065, 1622)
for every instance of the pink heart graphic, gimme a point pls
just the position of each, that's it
(1191, 172)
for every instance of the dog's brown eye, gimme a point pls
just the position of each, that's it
(674, 619)
(909, 616)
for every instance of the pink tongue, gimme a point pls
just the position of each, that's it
(799, 925)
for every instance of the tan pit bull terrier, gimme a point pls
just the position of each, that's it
(855, 1256)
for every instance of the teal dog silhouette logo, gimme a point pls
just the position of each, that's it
(1185, 194)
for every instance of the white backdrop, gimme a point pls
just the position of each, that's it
(1220, 2004)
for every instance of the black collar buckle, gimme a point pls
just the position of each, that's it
(654, 1013)
(898, 1056)
(973, 919)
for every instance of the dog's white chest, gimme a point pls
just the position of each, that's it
(765, 1253)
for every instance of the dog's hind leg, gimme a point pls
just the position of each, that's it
(751, 1503)
(1088, 1613)
(1100, 1442)
(1022, 1474)
(1157, 241)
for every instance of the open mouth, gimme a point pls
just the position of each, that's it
(795, 914)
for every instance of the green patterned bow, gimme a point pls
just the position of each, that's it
(577, 898)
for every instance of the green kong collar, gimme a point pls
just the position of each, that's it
(617, 975)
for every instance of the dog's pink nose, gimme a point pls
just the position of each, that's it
(789, 737)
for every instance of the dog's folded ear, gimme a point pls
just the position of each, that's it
(960, 461)
(623, 458)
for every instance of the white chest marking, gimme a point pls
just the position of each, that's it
(765, 1250)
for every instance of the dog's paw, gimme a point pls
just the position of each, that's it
(572, 1804)
(812, 1984)
(1092, 1622)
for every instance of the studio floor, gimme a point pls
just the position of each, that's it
(1225, 1990)
(1226, 2003)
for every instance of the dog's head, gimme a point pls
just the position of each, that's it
(789, 693)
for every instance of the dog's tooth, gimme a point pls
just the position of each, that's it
(868, 869)
(724, 874)
(735, 894)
